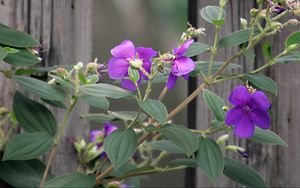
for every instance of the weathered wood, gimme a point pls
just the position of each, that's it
(63, 27)
(278, 165)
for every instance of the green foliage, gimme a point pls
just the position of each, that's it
(215, 104)
(3, 53)
(182, 137)
(288, 58)
(33, 116)
(243, 174)
(155, 109)
(267, 137)
(267, 51)
(294, 38)
(165, 145)
(193, 163)
(96, 101)
(12, 37)
(195, 49)
(210, 158)
(120, 145)
(40, 88)
(72, 180)
(234, 39)
(105, 90)
(22, 58)
(26, 146)
(100, 118)
(213, 14)
(22, 173)
(262, 82)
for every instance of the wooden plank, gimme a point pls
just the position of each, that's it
(63, 27)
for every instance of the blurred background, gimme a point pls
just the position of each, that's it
(157, 24)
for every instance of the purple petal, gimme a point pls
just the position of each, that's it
(260, 100)
(239, 96)
(128, 84)
(145, 54)
(178, 52)
(123, 185)
(109, 128)
(171, 81)
(233, 116)
(147, 67)
(260, 118)
(182, 66)
(124, 50)
(244, 128)
(94, 134)
(186, 76)
(117, 68)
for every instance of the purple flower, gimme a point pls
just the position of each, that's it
(250, 109)
(181, 65)
(275, 8)
(95, 134)
(108, 128)
(126, 55)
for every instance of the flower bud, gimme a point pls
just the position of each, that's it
(244, 23)
(225, 108)
(137, 63)
(293, 22)
(276, 26)
(222, 139)
(92, 67)
(297, 12)
(234, 148)
(78, 66)
(3, 110)
(253, 12)
(292, 47)
(134, 74)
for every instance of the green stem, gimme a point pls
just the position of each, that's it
(57, 140)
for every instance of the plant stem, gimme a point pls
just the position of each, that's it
(57, 140)
(163, 93)
(213, 50)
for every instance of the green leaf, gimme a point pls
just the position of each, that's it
(294, 38)
(235, 38)
(267, 51)
(3, 53)
(127, 115)
(57, 104)
(33, 116)
(22, 58)
(63, 82)
(213, 15)
(40, 88)
(155, 109)
(203, 67)
(184, 162)
(100, 118)
(95, 101)
(22, 173)
(243, 174)
(182, 137)
(27, 146)
(10, 50)
(195, 49)
(267, 137)
(215, 104)
(105, 90)
(72, 180)
(210, 158)
(262, 82)
(12, 37)
(288, 58)
(249, 54)
(144, 170)
(120, 145)
(165, 145)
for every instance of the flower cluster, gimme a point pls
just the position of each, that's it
(126, 56)
(250, 109)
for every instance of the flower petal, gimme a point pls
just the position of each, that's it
(171, 81)
(178, 52)
(260, 118)
(145, 54)
(234, 115)
(109, 128)
(186, 76)
(245, 127)
(117, 68)
(182, 66)
(94, 134)
(146, 66)
(128, 84)
(239, 96)
(124, 50)
(260, 100)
